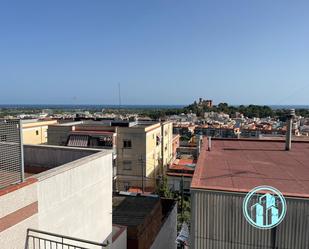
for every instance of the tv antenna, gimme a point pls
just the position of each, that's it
(119, 94)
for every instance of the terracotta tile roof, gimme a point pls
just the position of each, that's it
(183, 164)
(139, 190)
(180, 174)
(184, 161)
(181, 167)
(240, 165)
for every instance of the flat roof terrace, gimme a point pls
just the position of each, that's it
(60, 179)
(241, 165)
(41, 158)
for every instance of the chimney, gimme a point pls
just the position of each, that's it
(199, 142)
(288, 138)
(209, 143)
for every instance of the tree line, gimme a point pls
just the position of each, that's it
(250, 111)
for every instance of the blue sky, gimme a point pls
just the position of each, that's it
(161, 51)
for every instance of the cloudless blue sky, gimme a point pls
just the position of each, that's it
(161, 51)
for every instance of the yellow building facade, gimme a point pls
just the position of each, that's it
(143, 152)
(167, 143)
(35, 132)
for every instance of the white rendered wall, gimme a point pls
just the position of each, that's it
(76, 199)
(14, 237)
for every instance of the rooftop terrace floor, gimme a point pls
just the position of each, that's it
(241, 165)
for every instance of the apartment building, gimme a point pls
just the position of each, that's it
(143, 152)
(142, 149)
(167, 143)
(181, 172)
(35, 131)
(175, 145)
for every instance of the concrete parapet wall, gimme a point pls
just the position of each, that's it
(52, 156)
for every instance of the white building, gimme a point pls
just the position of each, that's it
(66, 198)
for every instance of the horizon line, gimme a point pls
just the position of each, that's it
(61, 104)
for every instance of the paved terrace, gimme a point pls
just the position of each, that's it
(38, 158)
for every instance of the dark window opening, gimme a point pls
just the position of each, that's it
(103, 141)
(127, 165)
(2, 138)
(127, 144)
(158, 140)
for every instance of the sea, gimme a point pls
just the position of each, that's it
(99, 107)
(68, 107)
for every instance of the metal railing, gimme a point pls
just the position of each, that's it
(11, 152)
(37, 239)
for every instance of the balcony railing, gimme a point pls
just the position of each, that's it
(44, 240)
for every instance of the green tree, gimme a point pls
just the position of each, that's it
(163, 189)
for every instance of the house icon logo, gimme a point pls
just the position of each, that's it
(264, 207)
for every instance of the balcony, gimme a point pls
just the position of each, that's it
(44, 240)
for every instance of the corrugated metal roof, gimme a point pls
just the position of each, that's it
(90, 132)
(78, 141)
(218, 222)
(240, 165)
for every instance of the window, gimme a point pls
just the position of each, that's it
(127, 144)
(158, 140)
(2, 138)
(37, 132)
(102, 141)
(126, 185)
(186, 185)
(127, 165)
